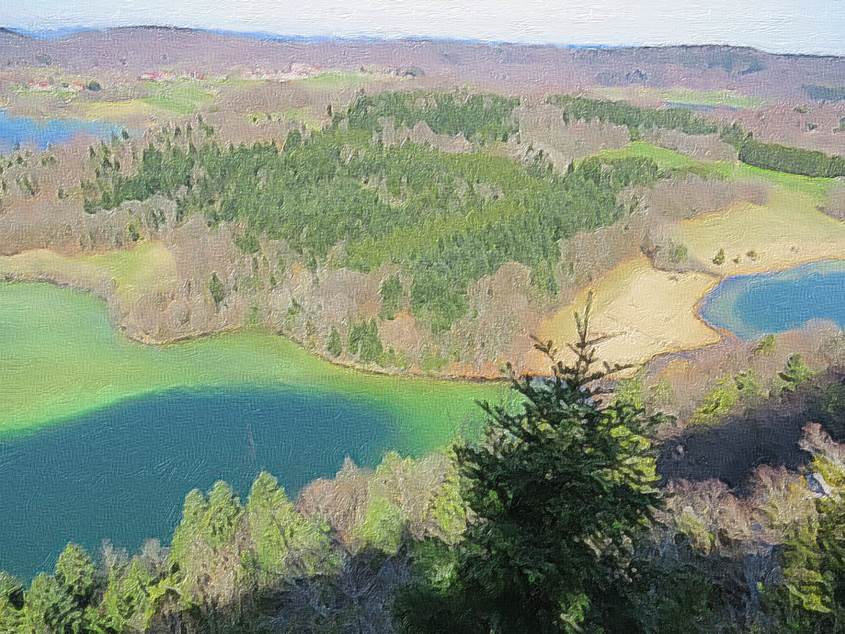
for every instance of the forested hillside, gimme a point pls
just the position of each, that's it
(446, 219)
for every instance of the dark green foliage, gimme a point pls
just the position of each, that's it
(790, 159)
(677, 253)
(216, 288)
(558, 493)
(765, 155)
(94, 86)
(430, 212)
(248, 242)
(334, 346)
(812, 596)
(633, 117)
(478, 117)
(719, 258)
(364, 343)
(391, 293)
(676, 595)
(825, 93)
(795, 373)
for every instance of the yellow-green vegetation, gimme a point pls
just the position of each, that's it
(62, 357)
(172, 97)
(683, 96)
(179, 96)
(666, 159)
(725, 396)
(111, 110)
(134, 272)
(701, 539)
(337, 80)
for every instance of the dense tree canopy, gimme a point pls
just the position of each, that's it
(447, 219)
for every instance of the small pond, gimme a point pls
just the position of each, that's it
(16, 131)
(751, 306)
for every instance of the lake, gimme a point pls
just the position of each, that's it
(40, 133)
(751, 306)
(101, 437)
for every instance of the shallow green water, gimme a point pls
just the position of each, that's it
(60, 357)
(101, 438)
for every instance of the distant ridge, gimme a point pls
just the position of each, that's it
(267, 36)
(510, 67)
(4, 32)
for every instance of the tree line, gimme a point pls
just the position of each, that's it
(771, 156)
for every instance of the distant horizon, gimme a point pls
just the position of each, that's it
(58, 33)
(811, 27)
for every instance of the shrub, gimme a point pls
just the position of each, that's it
(217, 290)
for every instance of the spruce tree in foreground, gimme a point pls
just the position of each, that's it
(559, 492)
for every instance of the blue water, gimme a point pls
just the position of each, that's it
(751, 306)
(41, 133)
(127, 468)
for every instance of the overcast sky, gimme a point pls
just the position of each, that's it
(806, 26)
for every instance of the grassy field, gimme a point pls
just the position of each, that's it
(337, 80)
(646, 312)
(641, 311)
(666, 159)
(816, 188)
(149, 266)
(178, 97)
(683, 96)
(785, 232)
(61, 358)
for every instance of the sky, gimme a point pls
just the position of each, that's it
(789, 26)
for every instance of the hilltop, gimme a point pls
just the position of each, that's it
(513, 67)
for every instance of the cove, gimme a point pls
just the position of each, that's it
(101, 437)
(751, 306)
(25, 131)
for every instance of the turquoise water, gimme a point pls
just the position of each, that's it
(40, 133)
(122, 473)
(102, 438)
(751, 306)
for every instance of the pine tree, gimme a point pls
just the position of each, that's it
(558, 493)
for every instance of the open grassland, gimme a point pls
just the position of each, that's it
(645, 311)
(133, 272)
(682, 97)
(666, 159)
(813, 187)
(785, 232)
(178, 97)
(340, 80)
(640, 311)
